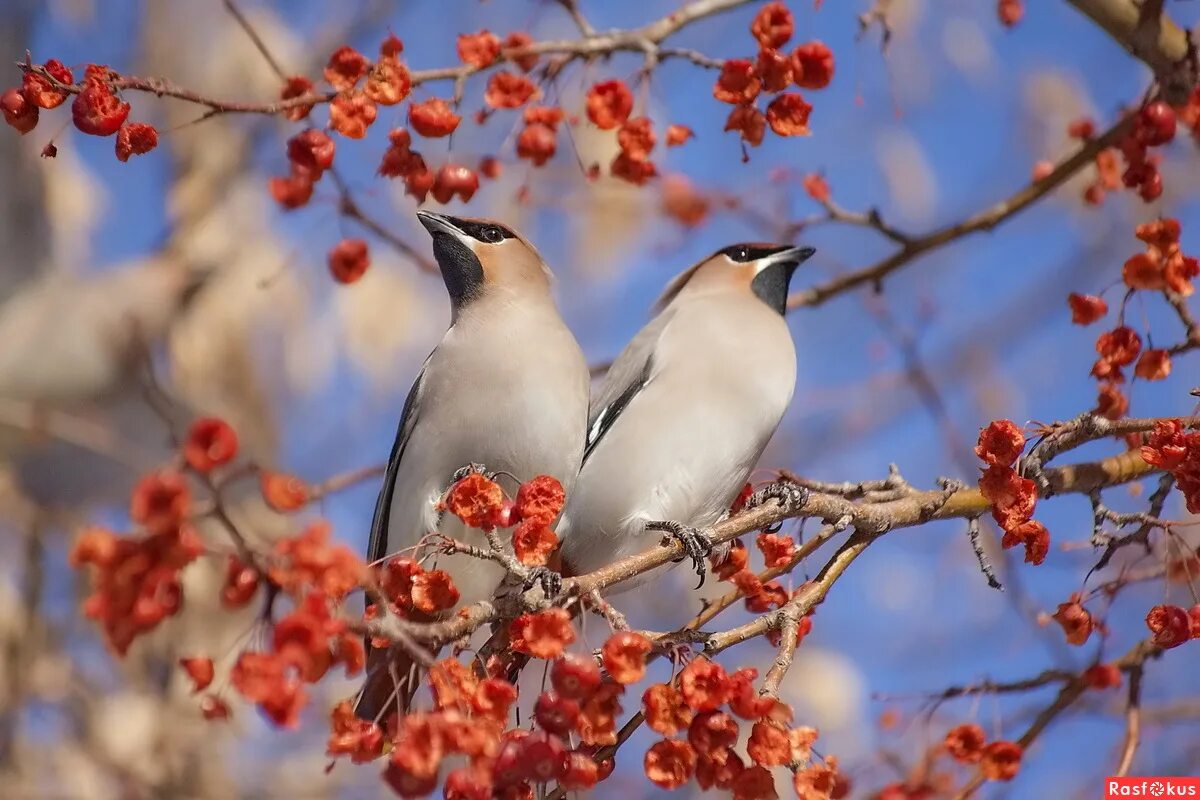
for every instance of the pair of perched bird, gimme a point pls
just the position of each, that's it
(666, 444)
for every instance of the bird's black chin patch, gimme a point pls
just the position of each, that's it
(771, 284)
(461, 270)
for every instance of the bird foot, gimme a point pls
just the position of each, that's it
(679, 653)
(791, 496)
(697, 545)
(550, 581)
(471, 469)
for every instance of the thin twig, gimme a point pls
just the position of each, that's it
(1070, 692)
(645, 39)
(1133, 720)
(581, 22)
(985, 566)
(237, 14)
(349, 207)
(984, 220)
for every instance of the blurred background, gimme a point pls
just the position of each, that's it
(184, 249)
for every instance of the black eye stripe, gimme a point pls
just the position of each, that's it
(744, 253)
(488, 232)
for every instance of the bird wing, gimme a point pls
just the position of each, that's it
(377, 548)
(629, 374)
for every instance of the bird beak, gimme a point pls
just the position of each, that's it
(440, 223)
(791, 257)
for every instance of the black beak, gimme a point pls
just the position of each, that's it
(772, 281)
(793, 255)
(440, 223)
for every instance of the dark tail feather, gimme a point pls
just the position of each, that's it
(499, 644)
(391, 683)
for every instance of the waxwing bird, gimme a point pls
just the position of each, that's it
(686, 410)
(506, 388)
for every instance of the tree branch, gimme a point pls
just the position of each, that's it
(1150, 35)
(985, 220)
(1071, 691)
(870, 520)
(646, 40)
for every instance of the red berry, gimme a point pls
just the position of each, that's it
(511, 766)
(18, 111)
(392, 46)
(348, 260)
(293, 87)
(490, 167)
(213, 707)
(545, 756)
(1170, 625)
(40, 92)
(555, 713)
(1135, 175)
(97, 111)
(454, 179)
(1156, 123)
(241, 583)
(134, 139)
(312, 150)
(294, 191)
(537, 143)
(1010, 12)
(210, 443)
(575, 677)
(1152, 187)
(1081, 128)
(581, 772)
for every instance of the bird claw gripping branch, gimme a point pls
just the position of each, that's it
(471, 469)
(550, 581)
(791, 496)
(697, 544)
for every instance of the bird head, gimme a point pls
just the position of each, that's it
(476, 255)
(764, 269)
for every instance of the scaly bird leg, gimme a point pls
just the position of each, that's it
(697, 545)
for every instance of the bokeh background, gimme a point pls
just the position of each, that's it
(185, 248)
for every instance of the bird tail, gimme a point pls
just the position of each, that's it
(512, 662)
(391, 683)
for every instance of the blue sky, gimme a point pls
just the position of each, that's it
(987, 314)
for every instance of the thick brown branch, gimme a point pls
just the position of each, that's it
(1149, 35)
(869, 520)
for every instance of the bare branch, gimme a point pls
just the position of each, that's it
(349, 207)
(237, 14)
(1070, 692)
(1133, 720)
(984, 220)
(581, 22)
(645, 40)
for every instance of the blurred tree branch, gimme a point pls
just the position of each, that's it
(913, 247)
